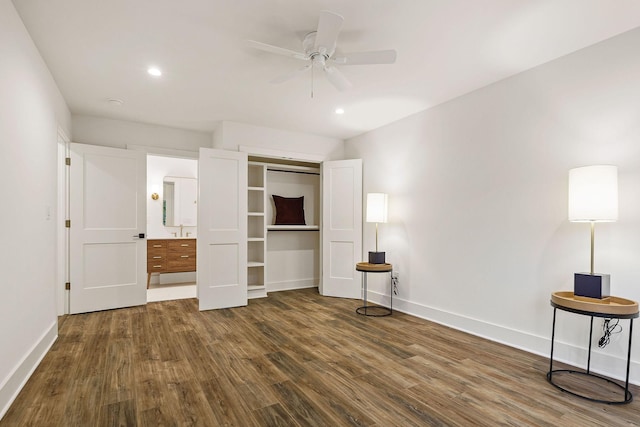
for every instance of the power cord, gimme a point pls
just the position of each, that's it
(609, 328)
(394, 285)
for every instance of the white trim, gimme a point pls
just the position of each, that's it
(62, 134)
(601, 363)
(281, 154)
(168, 152)
(62, 233)
(15, 381)
(256, 291)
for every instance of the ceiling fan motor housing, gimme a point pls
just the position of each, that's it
(318, 56)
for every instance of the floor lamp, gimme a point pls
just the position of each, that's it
(376, 212)
(593, 197)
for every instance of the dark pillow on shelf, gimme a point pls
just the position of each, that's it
(289, 210)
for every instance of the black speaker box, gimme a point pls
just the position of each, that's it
(376, 258)
(591, 285)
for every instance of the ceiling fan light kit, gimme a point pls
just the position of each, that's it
(319, 50)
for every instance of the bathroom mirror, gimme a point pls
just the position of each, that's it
(179, 201)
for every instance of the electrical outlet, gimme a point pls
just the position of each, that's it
(395, 281)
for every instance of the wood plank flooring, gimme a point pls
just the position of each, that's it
(292, 359)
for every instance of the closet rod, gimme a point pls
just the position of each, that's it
(291, 171)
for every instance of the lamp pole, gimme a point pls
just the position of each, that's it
(593, 227)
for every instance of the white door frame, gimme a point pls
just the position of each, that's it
(62, 232)
(62, 211)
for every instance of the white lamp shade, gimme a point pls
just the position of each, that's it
(376, 207)
(593, 194)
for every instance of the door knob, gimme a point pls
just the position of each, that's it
(139, 236)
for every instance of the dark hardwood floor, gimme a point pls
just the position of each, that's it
(292, 359)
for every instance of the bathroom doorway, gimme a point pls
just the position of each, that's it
(171, 227)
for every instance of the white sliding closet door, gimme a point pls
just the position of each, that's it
(341, 228)
(108, 221)
(222, 229)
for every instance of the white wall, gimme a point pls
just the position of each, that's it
(31, 109)
(478, 201)
(232, 135)
(157, 168)
(120, 134)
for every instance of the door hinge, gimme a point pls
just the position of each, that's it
(67, 161)
(67, 223)
(67, 286)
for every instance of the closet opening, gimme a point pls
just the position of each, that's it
(172, 185)
(246, 251)
(283, 246)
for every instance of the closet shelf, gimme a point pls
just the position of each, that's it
(293, 227)
(255, 264)
(292, 168)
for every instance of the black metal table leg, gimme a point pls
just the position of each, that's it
(553, 335)
(391, 293)
(590, 340)
(627, 394)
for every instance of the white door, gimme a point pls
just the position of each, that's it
(341, 228)
(108, 214)
(222, 229)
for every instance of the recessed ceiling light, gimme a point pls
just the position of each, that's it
(155, 72)
(115, 101)
(339, 110)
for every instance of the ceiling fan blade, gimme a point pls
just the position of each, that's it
(277, 50)
(329, 26)
(337, 79)
(362, 58)
(285, 77)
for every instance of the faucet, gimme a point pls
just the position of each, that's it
(180, 230)
(188, 233)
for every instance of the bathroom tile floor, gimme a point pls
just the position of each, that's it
(171, 291)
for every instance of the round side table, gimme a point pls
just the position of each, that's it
(374, 310)
(611, 308)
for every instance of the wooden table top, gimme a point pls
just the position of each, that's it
(374, 268)
(614, 306)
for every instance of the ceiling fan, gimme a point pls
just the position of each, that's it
(319, 51)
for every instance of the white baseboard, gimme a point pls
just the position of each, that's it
(12, 385)
(289, 285)
(601, 363)
(254, 292)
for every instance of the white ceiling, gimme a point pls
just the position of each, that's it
(99, 49)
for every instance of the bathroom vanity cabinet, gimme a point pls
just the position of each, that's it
(170, 256)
